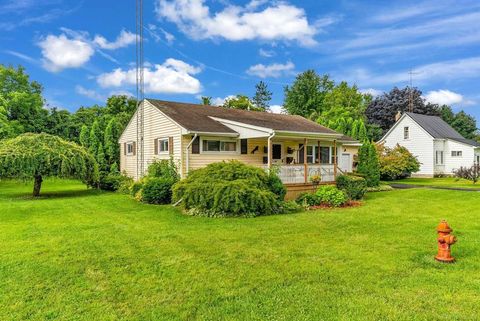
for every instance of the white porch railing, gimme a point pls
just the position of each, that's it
(294, 174)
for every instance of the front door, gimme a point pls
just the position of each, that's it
(346, 162)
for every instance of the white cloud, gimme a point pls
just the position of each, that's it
(266, 53)
(440, 71)
(90, 93)
(60, 52)
(124, 39)
(371, 91)
(273, 70)
(278, 21)
(277, 109)
(218, 101)
(444, 97)
(173, 76)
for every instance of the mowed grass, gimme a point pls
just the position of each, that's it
(78, 254)
(440, 182)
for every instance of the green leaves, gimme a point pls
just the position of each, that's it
(46, 155)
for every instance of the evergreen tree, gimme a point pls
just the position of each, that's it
(100, 157)
(95, 138)
(85, 136)
(368, 164)
(262, 96)
(112, 134)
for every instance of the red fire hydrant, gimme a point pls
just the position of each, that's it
(445, 240)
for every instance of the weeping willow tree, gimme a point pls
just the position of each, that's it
(41, 155)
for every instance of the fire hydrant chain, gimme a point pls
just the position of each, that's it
(445, 240)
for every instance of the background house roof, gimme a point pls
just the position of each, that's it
(196, 118)
(438, 128)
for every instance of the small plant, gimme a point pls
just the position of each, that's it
(315, 179)
(469, 173)
(308, 199)
(331, 196)
(396, 163)
(354, 187)
(163, 168)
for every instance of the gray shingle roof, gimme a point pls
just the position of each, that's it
(438, 128)
(195, 117)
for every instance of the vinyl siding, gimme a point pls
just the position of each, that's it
(156, 126)
(453, 163)
(420, 144)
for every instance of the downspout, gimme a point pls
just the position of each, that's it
(270, 150)
(188, 153)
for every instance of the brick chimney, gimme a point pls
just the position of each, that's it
(398, 115)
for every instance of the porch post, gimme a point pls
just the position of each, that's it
(305, 166)
(319, 155)
(269, 157)
(335, 159)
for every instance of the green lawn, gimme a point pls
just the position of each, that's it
(439, 182)
(79, 254)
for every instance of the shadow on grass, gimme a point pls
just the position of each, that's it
(58, 194)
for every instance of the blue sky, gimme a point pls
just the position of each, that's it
(84, 51)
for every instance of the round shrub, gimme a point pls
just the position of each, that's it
(157, 191)
(229, 189)
(308, 199)
(331, 196)
(354, 187)
(135, 188)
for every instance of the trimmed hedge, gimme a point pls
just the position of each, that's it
(354, 187)
(230, 189)
(157, 190)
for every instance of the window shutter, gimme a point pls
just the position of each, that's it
(301, 157)
(196, 146)
(124, 148)
(155, 146)
(134, 148)
(243, 146)
(170, 145)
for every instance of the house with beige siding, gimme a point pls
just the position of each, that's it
(197, 135)
(439, 148)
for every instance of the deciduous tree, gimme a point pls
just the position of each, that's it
(36, 156)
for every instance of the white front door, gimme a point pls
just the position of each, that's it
(346, 162)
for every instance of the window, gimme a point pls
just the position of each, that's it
(439, 157)
(243, 146)
(456, 153)
(406, 132)
(276, 151)
(325, 155)
(162, 145)
(130, 148)
(219, 146)
(312, 154)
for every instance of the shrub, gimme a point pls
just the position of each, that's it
(114, 181)
(136, 188)
(470, 173)
(276, 186)
(331, 196)
(157, 190)
(163, 168)
(230, 189)
(290, 207)
(354, 187)
(396, 163)
(308, 199)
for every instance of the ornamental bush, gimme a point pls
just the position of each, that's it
(163, 168)
(157, 190)
(308, 199)
(331, 196)
(354, 187)
(396, 163)
(230, 189)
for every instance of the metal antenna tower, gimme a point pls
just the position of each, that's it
(140, 90)
(410, 91)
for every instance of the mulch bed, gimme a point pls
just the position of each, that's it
(346, 205)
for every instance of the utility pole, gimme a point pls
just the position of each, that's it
(140, 89)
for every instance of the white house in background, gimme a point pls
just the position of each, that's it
(439, 148)
(197, 135)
